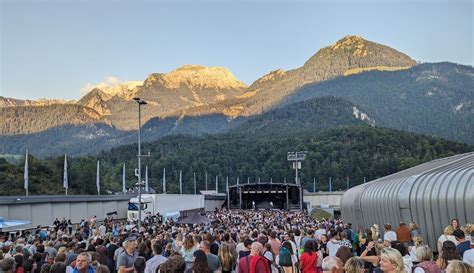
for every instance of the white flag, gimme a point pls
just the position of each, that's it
(25, 177)
(164, 180)
(146, 178)
(98, 177)
(65, 180)
(180, 182)
(124, 190)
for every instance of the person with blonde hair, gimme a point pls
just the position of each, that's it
(391, 261)
(226, 257)
(446, 236)
(187, 251)
(354, 265)
(425, 258)
(417, 243)
(457, 266)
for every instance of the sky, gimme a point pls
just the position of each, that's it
(54, 49)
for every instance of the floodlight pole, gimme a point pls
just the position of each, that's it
(138, 172)
(296, 158)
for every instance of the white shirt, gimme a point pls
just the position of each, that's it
(469, 256)
(318, 233)
(153, 263)
(390, 236)
(333, 247)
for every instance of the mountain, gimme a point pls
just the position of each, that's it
(375, 81)
(194, 90)
(346, 56)
(435, 99)
(6, 102)
(31, 119)
(316, 116)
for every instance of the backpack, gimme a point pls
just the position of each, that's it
(284, 257)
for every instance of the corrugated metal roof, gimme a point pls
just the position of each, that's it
(430, 194)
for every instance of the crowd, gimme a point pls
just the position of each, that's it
(241, 241)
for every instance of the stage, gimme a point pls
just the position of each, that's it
(266, 196)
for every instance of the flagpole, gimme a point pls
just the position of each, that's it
(180, 182)
(217, 187)
(65, 180)
(124, 190)
(146, 178)
(164, 180)
(25, 177)
(98, 177)
(227, 190)
(194, 175)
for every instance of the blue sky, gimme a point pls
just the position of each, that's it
(52, 49)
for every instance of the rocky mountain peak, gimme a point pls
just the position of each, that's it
(197, 77)
(356, 44)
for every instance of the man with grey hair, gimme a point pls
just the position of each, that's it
(83, 264)
(254, 261)
(128, 257)
(332, 264)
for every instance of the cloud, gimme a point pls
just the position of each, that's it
(111, 85)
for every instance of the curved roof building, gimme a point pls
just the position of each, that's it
(431, 194)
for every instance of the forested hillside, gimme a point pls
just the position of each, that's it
(354, 152)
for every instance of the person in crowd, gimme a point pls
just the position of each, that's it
(446, 236)
(391, 261)
(102, 269)
(247, 248)
(463, 244)
(414, 229)
(333, 244)
(19, 263)
(212, 260)
(187, 251)
(417, 242)
(83, 265)
(425, 264)
(200, 264)
(254, 262)
(274, 242)
(58, 267)
(332, 264)
(344, 253)
(369, 254)
(323, 245)
(448, 253)
(455, 224)
(309, 258)
(157, 259)
(354, 265)
(287, 259)
(139, 265)
(459, 267)
(129, 255)
(389, 235)
(469, 254)
(403, 233)
(227, 257)
(401, 247)
(345, 241)
(8, 265)
(174, 264)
